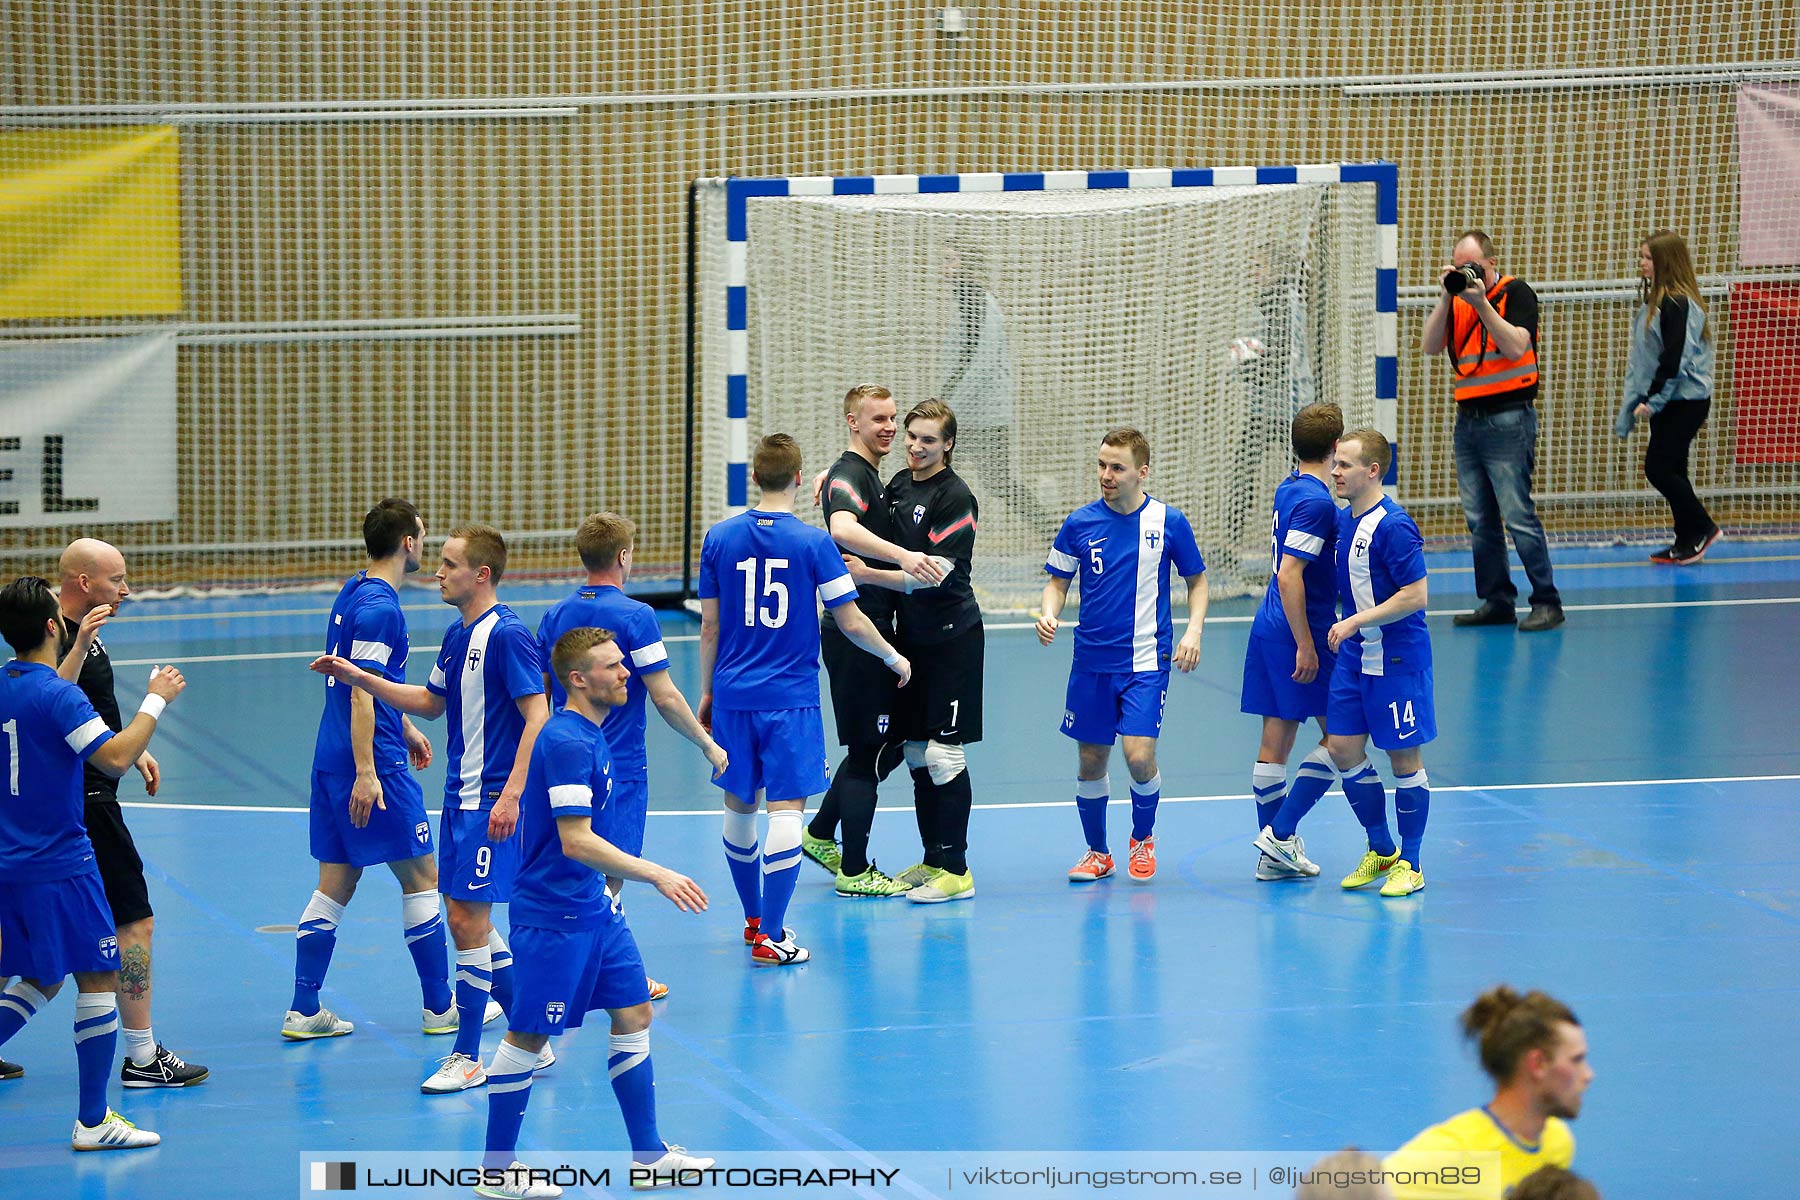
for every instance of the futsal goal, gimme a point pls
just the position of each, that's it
(1203, 306)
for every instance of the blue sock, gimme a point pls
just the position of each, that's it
(634, 1083)
(500, 956)
(422, 917)
(745, 861)
(1412, 805)
(313, 944)
(1311, 782)
(18, 1004)
(1368, 800)
(96, 1042)
(1091, 796)
(474, 983)
(1144, 797)
(1269, 782)
(509, 1091)
(780, 867)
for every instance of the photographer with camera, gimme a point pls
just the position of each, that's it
(1487, 323)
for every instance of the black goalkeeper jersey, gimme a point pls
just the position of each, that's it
(938, 516)
(853, 486)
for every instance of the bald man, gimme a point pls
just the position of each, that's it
(93, 587)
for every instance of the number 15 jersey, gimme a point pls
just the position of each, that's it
(764, 569)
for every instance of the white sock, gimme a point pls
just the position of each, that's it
(140, 1044)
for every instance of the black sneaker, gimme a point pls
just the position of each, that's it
(1543, 616)
(10, 1070)
(1666, 555)
(1491, 612)
(1687, 556)
(165, 1070)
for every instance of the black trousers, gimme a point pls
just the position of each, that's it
(1672, 433)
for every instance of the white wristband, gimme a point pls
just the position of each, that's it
(153, 706)
(892, 658)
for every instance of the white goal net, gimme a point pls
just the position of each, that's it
(1204, 316)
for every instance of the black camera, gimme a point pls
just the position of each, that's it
(1466, 275)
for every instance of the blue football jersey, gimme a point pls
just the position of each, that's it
(483, 670)
(368, 628)
(570, 776)
(765, 570)
(48, 729)
(1379, 553)
(639, 634)
(1123, 561)
(1305, 527)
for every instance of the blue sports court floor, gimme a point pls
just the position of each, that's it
(1613, 820)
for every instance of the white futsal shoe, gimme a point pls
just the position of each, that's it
(516, 1183)
(676, 1168)
(116, 1133)
(322, 1024)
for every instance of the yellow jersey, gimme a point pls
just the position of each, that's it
(1431, 1157)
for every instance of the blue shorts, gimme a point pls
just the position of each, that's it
(471, 866)
(1395, 711)
(394, 834)
(621, 822)
(1269, 687)
(561, 975)
(1102, 704)
(779, 752)
(57, 927)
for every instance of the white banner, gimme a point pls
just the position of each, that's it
(1768, 124)
(87, 431)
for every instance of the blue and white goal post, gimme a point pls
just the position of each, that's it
(807, 285)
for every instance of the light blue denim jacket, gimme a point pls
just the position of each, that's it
(1693, 376)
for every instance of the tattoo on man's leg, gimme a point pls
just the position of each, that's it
(134, 972)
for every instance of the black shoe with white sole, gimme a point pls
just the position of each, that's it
(165, 1070)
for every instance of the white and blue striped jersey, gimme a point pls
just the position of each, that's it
(368, 628)
(483, 670)
(1305, 527)
(635, 627)
(48, 728)
(1123, 561)
(1378, 553)
(764, 569)
(570, 776)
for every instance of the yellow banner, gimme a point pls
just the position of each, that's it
(90, 222)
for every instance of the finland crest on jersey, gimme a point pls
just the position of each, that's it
(481, 671)
(918, 513)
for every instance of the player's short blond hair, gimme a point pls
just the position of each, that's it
(570, 654)
(602, 538)
(863, 391)
(1374, 446)
(484, 547)
(776, 462)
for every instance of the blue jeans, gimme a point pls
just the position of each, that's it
(1495, 454)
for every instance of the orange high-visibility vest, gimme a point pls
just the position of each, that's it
(1480, 371)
